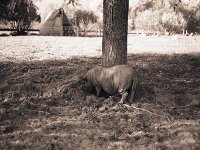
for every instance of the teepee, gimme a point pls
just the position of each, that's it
(57, 24)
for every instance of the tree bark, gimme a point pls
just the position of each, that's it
(115, 20)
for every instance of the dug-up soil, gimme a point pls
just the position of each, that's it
(42, 106)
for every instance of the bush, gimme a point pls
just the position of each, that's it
(173, 22)
(4, 34)
(149, 20)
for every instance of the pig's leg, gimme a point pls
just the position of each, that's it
(132, 96)
(124, 97)
(98, 90)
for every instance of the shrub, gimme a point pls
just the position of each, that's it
(149, 20)
(173, 22)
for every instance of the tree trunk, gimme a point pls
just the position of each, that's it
(115, 20)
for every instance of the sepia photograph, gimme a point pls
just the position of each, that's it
(99, 74)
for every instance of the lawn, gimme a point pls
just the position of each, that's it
(42, 106)
(33, 48)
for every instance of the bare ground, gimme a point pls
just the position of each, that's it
(41, 106)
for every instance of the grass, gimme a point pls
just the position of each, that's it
(41, 106)
(52, 47)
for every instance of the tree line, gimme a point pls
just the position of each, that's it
(150, 15)
(171, 15)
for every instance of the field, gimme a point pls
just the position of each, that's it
(33, 48)
(42, 106)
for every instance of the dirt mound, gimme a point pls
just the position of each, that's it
(42, 106)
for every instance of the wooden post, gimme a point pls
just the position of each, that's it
(77, 31)
(183, 32)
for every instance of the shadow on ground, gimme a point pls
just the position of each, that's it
(41, 106)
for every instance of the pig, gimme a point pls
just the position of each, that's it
(116, 80)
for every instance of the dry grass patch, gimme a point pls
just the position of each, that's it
(42, 107)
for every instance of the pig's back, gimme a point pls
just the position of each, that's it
(123, 77)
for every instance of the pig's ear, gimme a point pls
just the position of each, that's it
(84, 78)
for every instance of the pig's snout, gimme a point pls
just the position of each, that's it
(81, 87)
(88, 88)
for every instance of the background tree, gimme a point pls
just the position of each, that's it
(191, 13)
(174, 15)
(73, 2)
(115, 21)
(149, 20)
(173, 22)
(4, 12)
(85, 19)
(19, 14)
